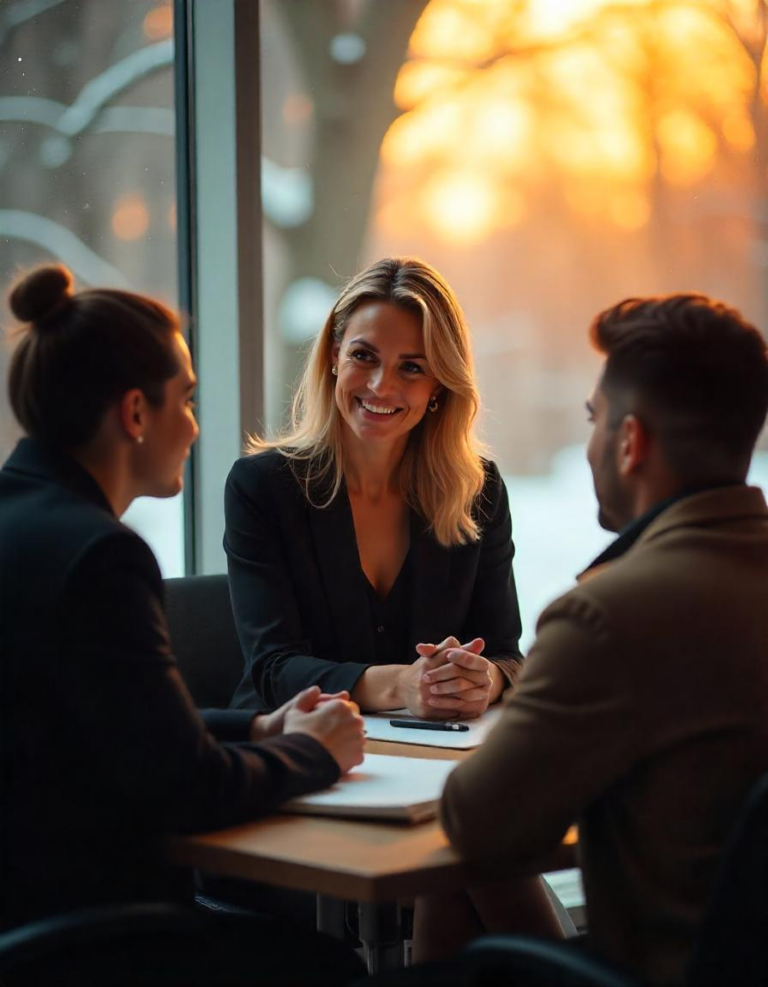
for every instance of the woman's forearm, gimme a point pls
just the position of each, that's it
(379, 687)
(395, 686)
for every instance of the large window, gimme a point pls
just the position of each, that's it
(87, 167)
(550, 157)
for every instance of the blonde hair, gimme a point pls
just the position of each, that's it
(441, 475)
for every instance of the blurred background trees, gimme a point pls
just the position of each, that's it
(549, 157)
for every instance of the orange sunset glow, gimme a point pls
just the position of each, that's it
(600, 99)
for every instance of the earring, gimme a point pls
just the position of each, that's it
(140, 439)
(433, 404)
(335, 370)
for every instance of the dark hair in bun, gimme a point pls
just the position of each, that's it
(79, 352)
(41, 294)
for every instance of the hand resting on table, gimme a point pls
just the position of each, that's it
(455, 681)
(332, 719)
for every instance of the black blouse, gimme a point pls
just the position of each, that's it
(303, 613)
(390, 619)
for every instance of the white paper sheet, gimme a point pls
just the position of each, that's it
(377, 727)
(382, 787)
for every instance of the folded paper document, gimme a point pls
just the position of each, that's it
(404, 788)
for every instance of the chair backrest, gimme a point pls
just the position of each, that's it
(204, 638)
(731, 945)
(530, 962)
(140, 944)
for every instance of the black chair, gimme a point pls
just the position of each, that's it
(204, 638)
(136, 944)
(528, 962)
(165, 945)
(205, 642)
(729, 948)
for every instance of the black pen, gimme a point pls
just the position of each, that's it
(429, 725)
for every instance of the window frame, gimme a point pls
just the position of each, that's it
(219, 222)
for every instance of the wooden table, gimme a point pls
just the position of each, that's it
(358, 860)
(365, 861)
(370, 862)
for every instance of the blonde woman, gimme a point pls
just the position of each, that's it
(370, 546)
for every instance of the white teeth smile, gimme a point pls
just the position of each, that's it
(376, 409)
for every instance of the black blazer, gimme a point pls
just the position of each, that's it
(299, 594)
(103, 752)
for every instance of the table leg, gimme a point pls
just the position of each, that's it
(331, 916)
(380, 929)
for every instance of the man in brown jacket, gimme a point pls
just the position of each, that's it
(642, 710)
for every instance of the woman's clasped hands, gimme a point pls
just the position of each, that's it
(331, 718)
(451, 680)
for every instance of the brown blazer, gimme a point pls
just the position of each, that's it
(642, 713)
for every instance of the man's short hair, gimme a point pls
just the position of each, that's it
(696, 374)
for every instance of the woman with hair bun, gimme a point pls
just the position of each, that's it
(370, 546)
(101, 740)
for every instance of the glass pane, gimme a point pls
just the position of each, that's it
(87, 167)
(549, 157)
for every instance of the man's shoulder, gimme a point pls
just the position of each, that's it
(721, 511)
(703, 541)
(605, 600)
(585, 606)
(689, 563)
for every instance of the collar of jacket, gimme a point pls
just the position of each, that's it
(702, 507)
(33, 458)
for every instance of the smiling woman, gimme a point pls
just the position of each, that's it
(370, 546)
(385, 383)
